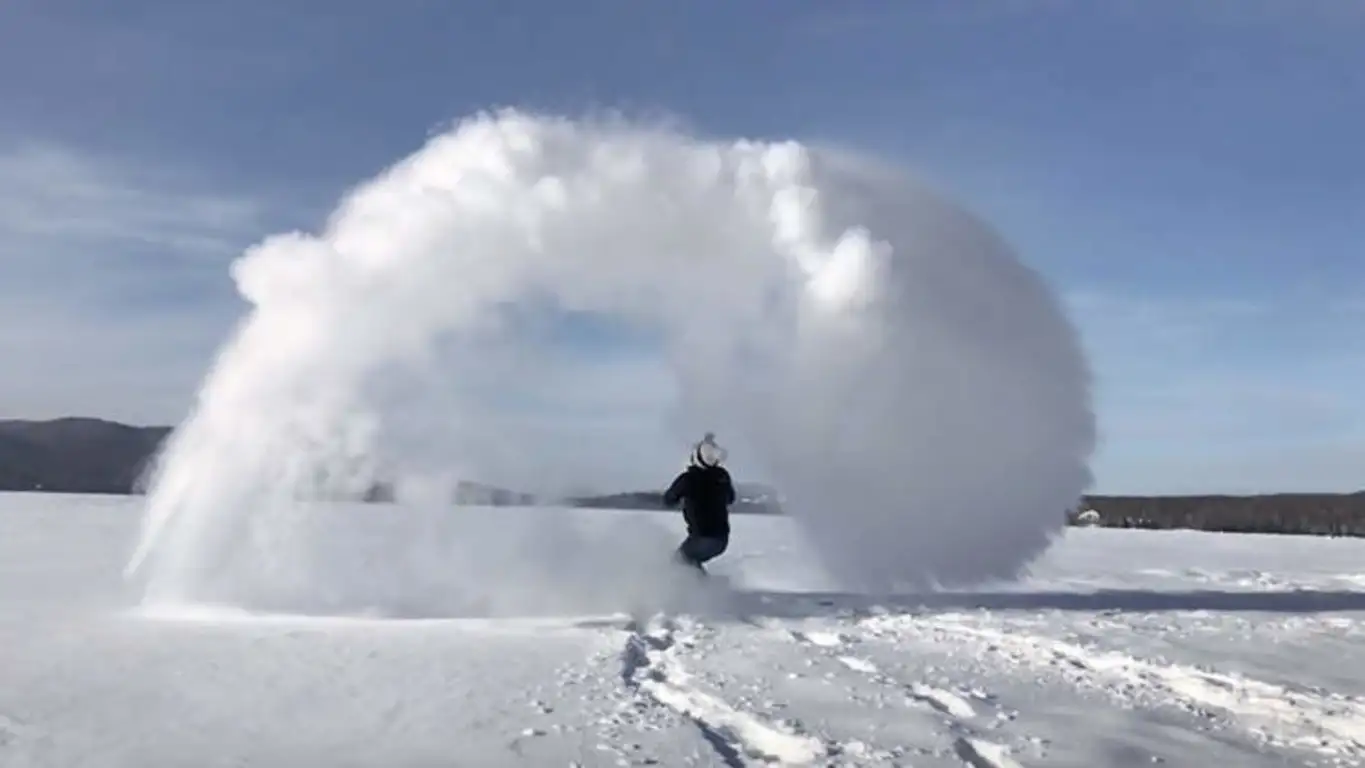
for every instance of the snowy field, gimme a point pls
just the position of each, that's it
(1123, 649)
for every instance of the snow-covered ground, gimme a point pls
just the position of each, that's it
(1123, 649)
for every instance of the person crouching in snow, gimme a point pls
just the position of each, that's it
(706, 493)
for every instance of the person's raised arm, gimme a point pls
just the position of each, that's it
(675, 490)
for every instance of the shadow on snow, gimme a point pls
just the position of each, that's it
(814, 604)
(748, 605)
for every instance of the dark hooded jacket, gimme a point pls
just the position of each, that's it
(706, 494)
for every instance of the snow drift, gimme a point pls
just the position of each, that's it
(912, 389)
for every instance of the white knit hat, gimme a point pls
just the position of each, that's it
(707, 453)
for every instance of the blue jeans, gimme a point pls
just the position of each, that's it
(696, 550)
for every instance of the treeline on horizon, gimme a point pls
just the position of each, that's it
(82, 455)
(1307, 514)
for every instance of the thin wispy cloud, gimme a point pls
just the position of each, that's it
(55, 198)
(113, 283)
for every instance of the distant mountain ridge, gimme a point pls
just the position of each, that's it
(89, 455)
(75, 455)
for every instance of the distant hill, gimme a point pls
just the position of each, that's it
(84, 455)
(74, 455)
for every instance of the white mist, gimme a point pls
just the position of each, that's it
(913, 389)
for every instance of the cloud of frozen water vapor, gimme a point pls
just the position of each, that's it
(930, 421)
(913, 390)
(416, 561)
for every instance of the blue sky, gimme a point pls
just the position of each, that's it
(1190, 176)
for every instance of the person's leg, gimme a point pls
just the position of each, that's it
(697, 550)
(687, 553)
(713, 548)
(683, 553)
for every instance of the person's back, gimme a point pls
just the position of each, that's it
(706, 493)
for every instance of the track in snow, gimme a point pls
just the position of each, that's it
(975, 750)
(650, 665)
(1332, 724)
